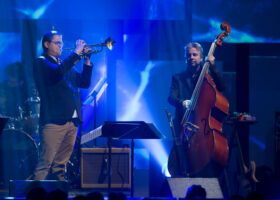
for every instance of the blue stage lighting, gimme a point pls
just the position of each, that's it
(257, 142)
(35, 13)
(158, 152)
(164, 170)
(237, 36)
(134, 105)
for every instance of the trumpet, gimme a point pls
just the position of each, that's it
(107, 43)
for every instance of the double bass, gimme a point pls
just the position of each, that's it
(201, 131)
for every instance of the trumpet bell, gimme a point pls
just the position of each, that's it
(109, 43)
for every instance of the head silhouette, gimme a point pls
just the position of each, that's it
(95, 196)
(195, 192)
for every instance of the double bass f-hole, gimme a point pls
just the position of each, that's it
(205, 126)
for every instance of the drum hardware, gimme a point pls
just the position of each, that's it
(20, 155)
(20, 111)
(13, 123)
(31, 115)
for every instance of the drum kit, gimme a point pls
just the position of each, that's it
(19, 142)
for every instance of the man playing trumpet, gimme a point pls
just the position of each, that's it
(60, 110)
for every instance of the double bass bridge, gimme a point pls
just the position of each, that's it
(190, 130)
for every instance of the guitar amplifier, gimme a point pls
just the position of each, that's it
(95, 169)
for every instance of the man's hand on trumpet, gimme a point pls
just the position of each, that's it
(82, 49)
(79, 48)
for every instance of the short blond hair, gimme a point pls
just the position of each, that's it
(195, 45)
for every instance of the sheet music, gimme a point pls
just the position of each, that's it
(91, 135)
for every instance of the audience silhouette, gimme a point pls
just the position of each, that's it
(195, 192)
(38, 193)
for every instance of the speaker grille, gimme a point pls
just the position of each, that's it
(94, 165)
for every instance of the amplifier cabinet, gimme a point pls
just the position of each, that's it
(95, 168)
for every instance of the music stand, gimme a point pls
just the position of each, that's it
(128, 130)
(3, 121)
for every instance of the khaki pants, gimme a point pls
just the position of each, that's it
(57, 143)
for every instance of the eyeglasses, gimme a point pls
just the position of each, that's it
(57, 43)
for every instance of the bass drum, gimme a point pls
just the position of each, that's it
(19, 155)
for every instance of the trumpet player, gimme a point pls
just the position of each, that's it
(60, 110)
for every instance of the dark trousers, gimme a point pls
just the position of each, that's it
(180, 149)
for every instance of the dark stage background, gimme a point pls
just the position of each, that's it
(133, 80)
